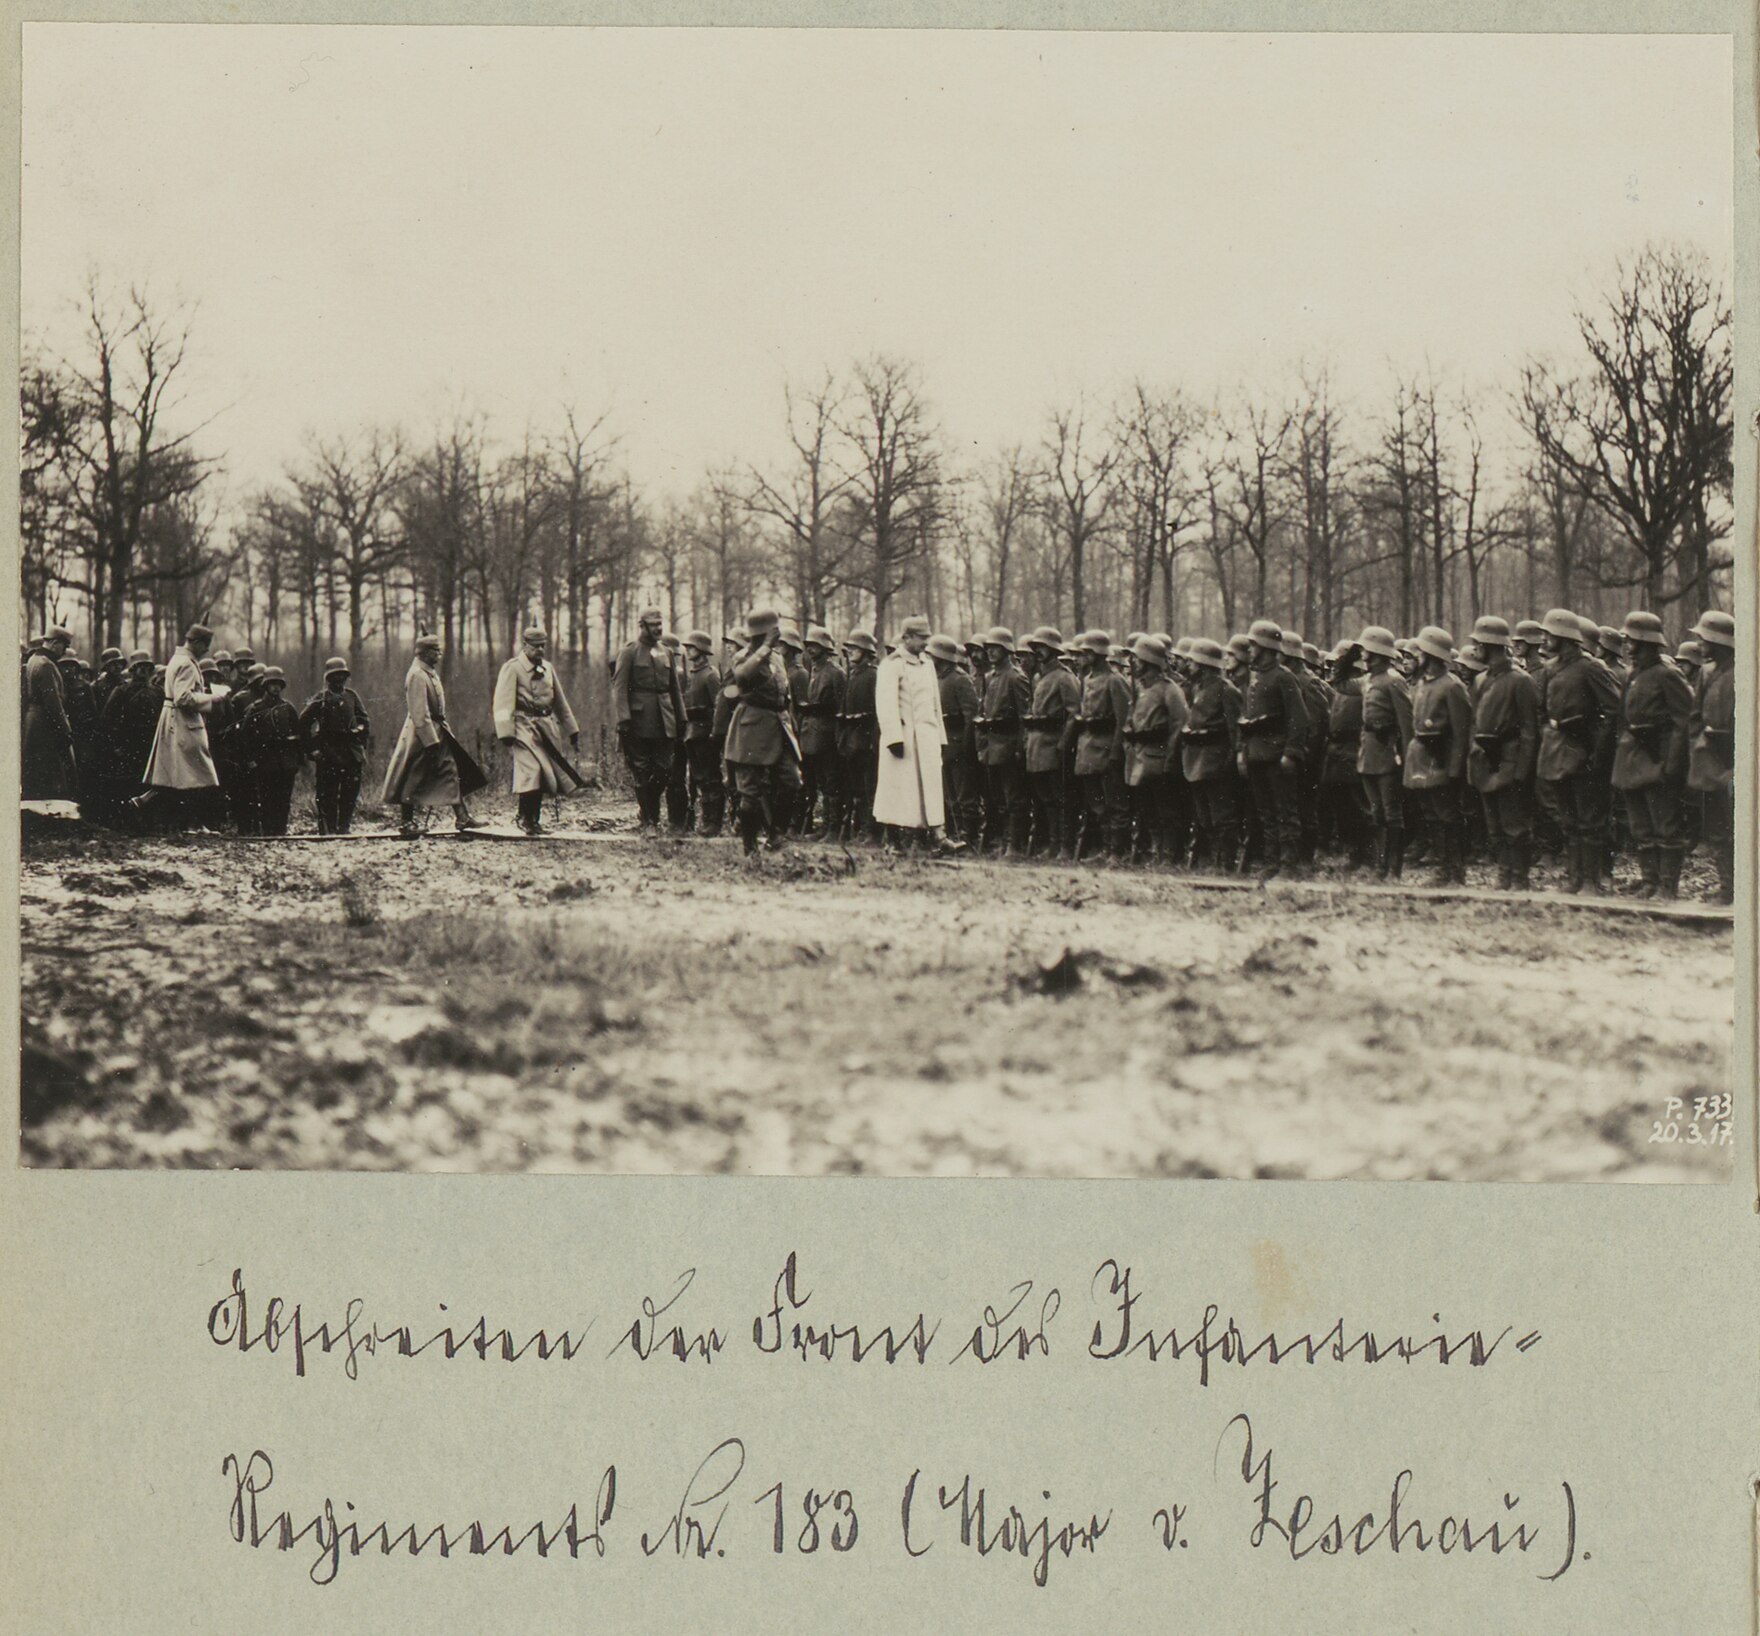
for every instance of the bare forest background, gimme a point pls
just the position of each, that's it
(1598, 479)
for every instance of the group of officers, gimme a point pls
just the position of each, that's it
(1258, 754)
(208, 739)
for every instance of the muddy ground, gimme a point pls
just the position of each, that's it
(622, 1005)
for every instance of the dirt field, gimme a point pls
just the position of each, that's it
(628, 1006)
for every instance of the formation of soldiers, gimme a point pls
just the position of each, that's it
(1259, 754)
(207, 740)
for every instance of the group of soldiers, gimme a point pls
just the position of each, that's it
(1258, 754)
(208, 739)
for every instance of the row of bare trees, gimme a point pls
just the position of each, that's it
(1599, 480)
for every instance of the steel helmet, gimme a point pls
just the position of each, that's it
(108, 654)
(1265, 633)
(1490, 632)
(1609, 637)
(1293, 646)
(1167, 641)
(274, 673)
(999, 636)
(1378, 639)
(1240, 645)
(1094, 642)
(761, 623)
(1151, 650)
(1642, 626)
(1436, 642)
(1469, 660)
(789, 634)
(1564, 625)
(1134, 638)
(336, 665)
(944, 647)
(819, 637)
(1311, 653)
(861, 641)
(1690, 653)
(1528, 630)
(140, 656)
(1047, 636)
(701, 641)
(1203, 651)
(1718, 628)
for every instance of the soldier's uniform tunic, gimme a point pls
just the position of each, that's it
(1506, 743)
(333, 728)
(703, 745)
(1007, 701)
(1650, 769)
(1151, 740)
(1050, 754)
(1274, 725)
(961, 772)
(817, 714)
(648, 709)
(1099, 766)
(1209, 742)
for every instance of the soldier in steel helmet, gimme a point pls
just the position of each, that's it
(703, 746)
(1099, 763)
(1576, 738)
(1208, 746)
(1381, 751)
(1344, 812)
(961, 772)
(333, 728)
(1050, 724)
(858, 739)
(1151, 752)
(1436, 758)
(763, 751)
(1506, 743)
(817, 715)
(1006, 703)
(1650, 755)
(1712, 753)
(1274, 738)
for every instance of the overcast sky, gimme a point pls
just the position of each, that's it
(669, 222)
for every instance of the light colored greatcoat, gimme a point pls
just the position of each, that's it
(422, 770)
(181, 759)
(531, 709)
(907, 701)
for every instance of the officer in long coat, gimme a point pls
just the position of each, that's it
(47, 767)
(817, 715)
(763, 750)
(907, 704)
(1006, 701)
(1506, 743)
(704, 743)
(1436, 758)
(333, 732)
(648, 708)
(1274, 738)
(1099, 762)
(534, 721)
(1651, 754)
(1711, 756)
(1151, 750)
(428, 766)
(182, 766)
(961, 772)
(1576, 740)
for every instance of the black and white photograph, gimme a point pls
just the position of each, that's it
(910, 603)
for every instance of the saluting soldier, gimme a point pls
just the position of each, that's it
(429, 767)
(1436, 758)
(1099, 763)
(648, 706)
(858, 738)
(1581, 708)
(1007, 699)
(271, 753)
(1650, 757)
(333, 729)
(960, 769)
(1506, 743)
(1711, 767)
(1274, 738)
(817, 715)
(1050, 747)
(1151, 739)
(763, 752)
(703, 745)
(534, 721)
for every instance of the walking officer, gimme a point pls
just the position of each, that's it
(648, 709)
(534, 721)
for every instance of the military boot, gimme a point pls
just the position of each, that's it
(714, 814)
(1396, 851)
(1506, 866)
(1383, 856)
(1668, 872)
(1521, 855)
(1574, 854)
(750, 822)
(1649, 872)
